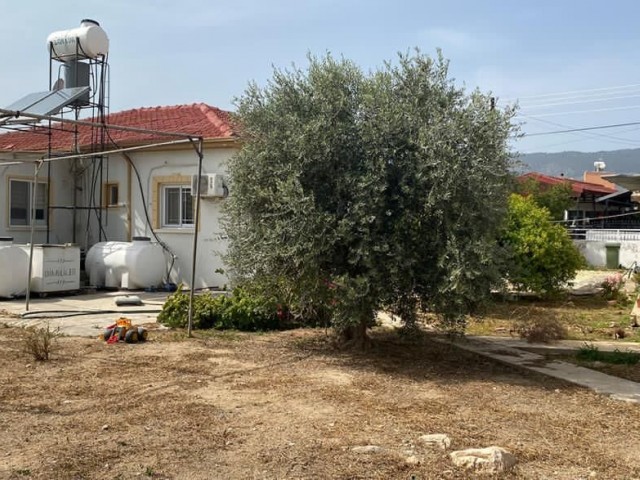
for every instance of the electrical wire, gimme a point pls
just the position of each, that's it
(164, 246)
(577, 102)
(587, 220)
(592, 134)
(571, 92)
(583, 129)
(577, 112)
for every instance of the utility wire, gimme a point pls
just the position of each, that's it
(587, 220)
(591, 134)
(570, 92)
(575, 112)
(590, 96)
(577, 102)
(583, 129)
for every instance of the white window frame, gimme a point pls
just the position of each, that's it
(42, 205)
(185, 192)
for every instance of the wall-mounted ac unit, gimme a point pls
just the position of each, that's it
(211, 185)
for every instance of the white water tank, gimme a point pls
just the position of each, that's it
(131, 265)
(87, 41)
(54, 268)
(15, 268)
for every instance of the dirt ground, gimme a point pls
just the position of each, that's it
(288, 405)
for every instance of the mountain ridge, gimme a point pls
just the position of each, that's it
(573, 164)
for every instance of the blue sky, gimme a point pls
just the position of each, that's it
(572, 64)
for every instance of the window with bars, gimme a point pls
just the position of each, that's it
(177, 206)
(20, 200)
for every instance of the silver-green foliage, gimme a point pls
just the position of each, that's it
(355, 191)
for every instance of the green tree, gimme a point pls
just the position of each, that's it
(355, 192)
(543, 255)
(555, 198)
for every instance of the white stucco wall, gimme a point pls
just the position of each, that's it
(212, 241)
(61, 194)
(127, 218)
(595, 252)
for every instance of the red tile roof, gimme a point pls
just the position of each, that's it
(577, 186)
(596, 177)
(198, 119)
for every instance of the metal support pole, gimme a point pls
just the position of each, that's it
(32, 217)
(196, 223)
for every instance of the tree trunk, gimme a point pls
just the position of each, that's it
(355, 336)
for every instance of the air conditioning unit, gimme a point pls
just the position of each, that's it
(211, 185)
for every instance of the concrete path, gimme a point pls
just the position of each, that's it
(505, 351)
(83, 315)
(562, 345)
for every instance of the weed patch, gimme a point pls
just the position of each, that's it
(591, 353)
(40, 342)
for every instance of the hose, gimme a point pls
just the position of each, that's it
(77, 313)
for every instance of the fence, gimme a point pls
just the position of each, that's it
(612, 235)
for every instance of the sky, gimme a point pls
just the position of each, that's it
(568, 64)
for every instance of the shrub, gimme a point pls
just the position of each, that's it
(543, 257)
(40, 342)
(541, 330)
(612, 287)
(239, 311)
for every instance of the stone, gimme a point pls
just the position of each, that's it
(437, 439)
(412, 460)
(105, 427)
(367, 449)
(486, 460)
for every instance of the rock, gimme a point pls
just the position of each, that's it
(412, 460)
(367, 449)
(437, 439)
(486, 460)
(105, 427)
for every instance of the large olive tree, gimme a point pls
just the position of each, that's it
(358, 191)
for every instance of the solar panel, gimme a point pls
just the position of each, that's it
(48, 103)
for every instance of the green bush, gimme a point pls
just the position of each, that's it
(238, 311)
(543, 257)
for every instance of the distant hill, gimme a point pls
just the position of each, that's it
(574, 164)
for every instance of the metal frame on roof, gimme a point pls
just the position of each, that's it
(196, 141)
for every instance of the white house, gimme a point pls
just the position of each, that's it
(121, 196)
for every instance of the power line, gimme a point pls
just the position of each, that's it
(602, 95)
(574, 112)
(591, 134)
(570, 92)
(579, 102)
(583, 129)
(597, 219)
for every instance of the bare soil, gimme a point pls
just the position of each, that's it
(289, 405)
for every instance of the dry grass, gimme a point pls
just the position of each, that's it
(288, 405)
(585, 318)
(541, 329)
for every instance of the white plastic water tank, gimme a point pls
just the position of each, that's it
(15, 266)
(131, 265)
(90, 38)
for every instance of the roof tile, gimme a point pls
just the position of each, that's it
(197, 119)
(577, 186)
